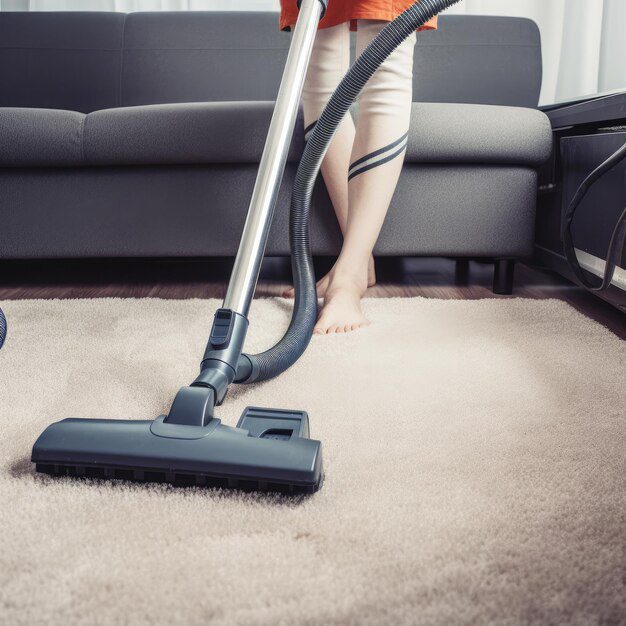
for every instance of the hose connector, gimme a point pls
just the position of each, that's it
(248, 369)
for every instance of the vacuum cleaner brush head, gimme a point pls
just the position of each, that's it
(269, 450)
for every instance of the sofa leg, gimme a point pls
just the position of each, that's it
(503, 274)
(461, 272)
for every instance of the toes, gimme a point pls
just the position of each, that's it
(361, 324)
(335, 329)
(322, 328)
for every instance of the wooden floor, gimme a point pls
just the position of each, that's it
(430, 278)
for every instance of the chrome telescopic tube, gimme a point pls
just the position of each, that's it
(261, 210)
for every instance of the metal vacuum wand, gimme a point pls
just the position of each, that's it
(223, 361)
(256, 230)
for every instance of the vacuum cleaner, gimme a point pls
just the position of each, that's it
(269, 449)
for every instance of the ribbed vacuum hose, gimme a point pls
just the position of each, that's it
(288, 350)
(3, 328)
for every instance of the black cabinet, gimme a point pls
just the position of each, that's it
(586, 133)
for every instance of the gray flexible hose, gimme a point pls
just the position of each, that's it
(288, 350)
(3, 328)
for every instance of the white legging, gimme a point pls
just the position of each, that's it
(369, 155)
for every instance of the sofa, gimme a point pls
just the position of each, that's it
(139, 135)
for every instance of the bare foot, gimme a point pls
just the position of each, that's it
(322, 284)
(341, 312)
(321, 287)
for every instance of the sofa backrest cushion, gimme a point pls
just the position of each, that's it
(88, 61)
(202, 56)
(57, 60)
(475, 59)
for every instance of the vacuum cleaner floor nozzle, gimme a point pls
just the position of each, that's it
(269, 450)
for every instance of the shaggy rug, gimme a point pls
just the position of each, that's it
(474, 456)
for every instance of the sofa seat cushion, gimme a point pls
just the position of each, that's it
(40, 137)
(235, 132)
(476, 133)
(213, 132)
(165, 134)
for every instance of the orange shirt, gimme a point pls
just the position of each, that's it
(340, 11)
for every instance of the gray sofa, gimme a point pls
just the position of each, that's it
(139, 135)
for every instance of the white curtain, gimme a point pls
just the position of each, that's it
(139, 5)
(584, 41)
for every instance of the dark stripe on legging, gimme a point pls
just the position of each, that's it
(367, 157)
(371, 166)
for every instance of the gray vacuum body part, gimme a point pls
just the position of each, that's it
(269, 450)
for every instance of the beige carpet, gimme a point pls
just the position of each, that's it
(475, 472)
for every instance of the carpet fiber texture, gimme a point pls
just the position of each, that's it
(475, 471)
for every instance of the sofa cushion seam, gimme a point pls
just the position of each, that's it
(122, 50)
(82, 138)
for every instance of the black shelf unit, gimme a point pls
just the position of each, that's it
(586, 132)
